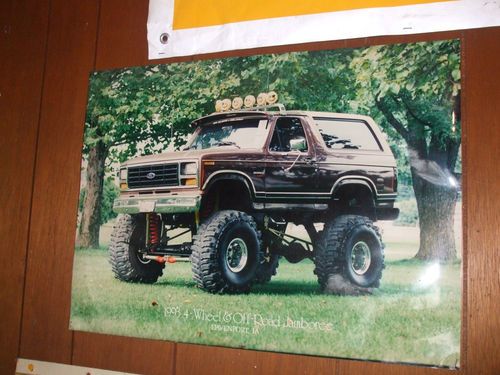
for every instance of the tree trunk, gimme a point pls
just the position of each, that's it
(91, 214)
(436, 196)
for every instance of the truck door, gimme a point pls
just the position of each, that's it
(290, 163)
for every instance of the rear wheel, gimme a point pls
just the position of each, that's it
(226, 252)
(352, 247)
(127, 241)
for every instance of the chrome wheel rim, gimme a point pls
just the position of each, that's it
(360, 258)
(236, 255)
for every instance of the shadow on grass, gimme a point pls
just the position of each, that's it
(176, 282)
(286, 288)
(294, 288)
(274, 287)
(301, 288)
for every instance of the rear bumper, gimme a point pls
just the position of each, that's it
(166, 204)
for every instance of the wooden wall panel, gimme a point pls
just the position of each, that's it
(198, 359)
(152, 357)
(122, 34)
(86, 35)
(23, 32)
(70, 57)
(482, 111)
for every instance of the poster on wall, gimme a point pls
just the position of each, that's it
(182, 27)
(304, 202)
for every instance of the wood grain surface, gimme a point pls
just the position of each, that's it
(70, 57)
(482, 194)
(52, 45)
(125, 354)
(23, 33)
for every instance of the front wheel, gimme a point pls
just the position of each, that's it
(226, 252)
(125, 255)
(352, 247)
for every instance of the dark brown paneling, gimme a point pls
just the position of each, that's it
(70, 56)
(122, 34)
(122, 42)
(197, 359)
(482, 111)
(359, 367)
(123, 354)
(23, 32)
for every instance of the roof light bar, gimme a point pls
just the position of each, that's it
(264, 101)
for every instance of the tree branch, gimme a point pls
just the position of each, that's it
(395, 123)
(413, 114)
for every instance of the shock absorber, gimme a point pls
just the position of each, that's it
(154, 229)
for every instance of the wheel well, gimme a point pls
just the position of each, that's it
(354, 198)
(229, 193)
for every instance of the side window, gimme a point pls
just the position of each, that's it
(288, 131)
(347, 134)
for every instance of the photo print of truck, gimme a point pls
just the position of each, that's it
(306, 202)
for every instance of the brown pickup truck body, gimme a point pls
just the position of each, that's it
(274, 180)
(268, 169)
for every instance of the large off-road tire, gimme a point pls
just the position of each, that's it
(351, 246)
(226, 253)
(127, 239)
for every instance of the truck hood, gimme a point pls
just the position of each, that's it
(188, 155)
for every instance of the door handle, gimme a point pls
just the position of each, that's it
(309, 160)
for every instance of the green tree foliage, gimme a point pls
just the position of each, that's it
(414, 89)
(411, 90)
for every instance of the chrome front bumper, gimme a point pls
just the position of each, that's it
(170, 205)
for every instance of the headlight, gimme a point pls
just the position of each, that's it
(123, 174)
(189, 169)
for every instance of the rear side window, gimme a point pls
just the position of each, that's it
(347, 134)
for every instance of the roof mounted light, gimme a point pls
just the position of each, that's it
(261, 98)
(226, 104)
(249, 101)
(271, 97)
(263, 101)
(237, 103)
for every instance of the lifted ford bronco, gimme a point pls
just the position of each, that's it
(241, 179)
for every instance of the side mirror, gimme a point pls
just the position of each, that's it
(298, 144)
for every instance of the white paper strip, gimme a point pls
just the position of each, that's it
(411, 19)
(32, 367)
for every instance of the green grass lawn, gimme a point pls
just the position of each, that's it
(408, 319)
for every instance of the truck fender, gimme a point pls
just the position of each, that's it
(354, 181)
(228, 176)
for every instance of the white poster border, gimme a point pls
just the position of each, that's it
(166, 42)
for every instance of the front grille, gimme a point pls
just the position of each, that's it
(164, 175)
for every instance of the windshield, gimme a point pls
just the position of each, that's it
(243, 133)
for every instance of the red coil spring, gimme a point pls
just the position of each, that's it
(154, 229)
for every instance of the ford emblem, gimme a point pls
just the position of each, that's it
(151, 175)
